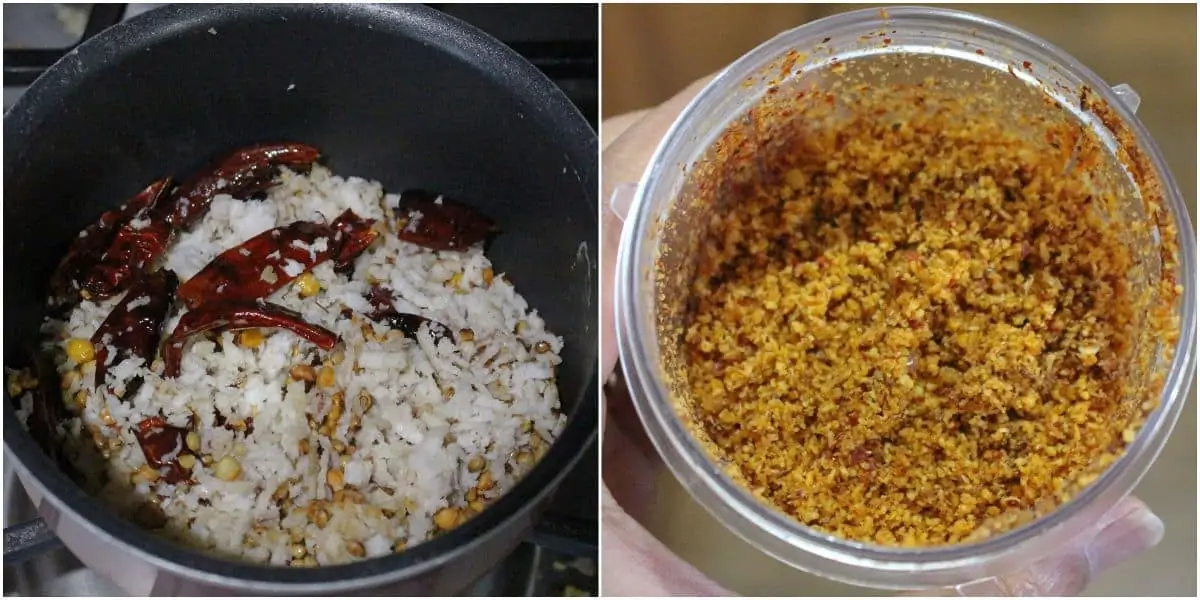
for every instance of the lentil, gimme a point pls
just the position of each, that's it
(81, 351)
(325, 377)
(228, 469)
(251, 338)
(446, 518)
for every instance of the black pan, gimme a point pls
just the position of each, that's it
(402, 94)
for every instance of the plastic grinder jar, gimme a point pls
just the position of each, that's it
(723, 127)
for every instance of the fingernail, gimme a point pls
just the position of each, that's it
(1136, 531)
(622, 198)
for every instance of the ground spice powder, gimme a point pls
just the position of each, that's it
(903, 325)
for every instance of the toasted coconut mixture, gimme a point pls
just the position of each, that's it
(305, 457)
(905, 324)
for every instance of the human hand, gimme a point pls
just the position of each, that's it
(636, 563)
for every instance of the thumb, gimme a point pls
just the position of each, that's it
(1128, 529)
(624, 158)
(637, 564)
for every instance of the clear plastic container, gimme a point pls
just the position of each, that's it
(962, 44)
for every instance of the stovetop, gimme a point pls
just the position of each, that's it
(560, 557)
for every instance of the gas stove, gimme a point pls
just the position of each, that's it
(560, 557)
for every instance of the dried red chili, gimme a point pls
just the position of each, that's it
(385, 312)
(439, 223)
(162, 445)
(353, 236)
(234, 316)
(272, 259)
(139, 243)
(134, 327)
(381, 298)
(133, 252)
(70, 277)
(48, 412)
(260, 266)
(245, 171)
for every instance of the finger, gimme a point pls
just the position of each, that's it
(623, 162)
(613, 127)
(616, 394)
(1133, 530)
(626, 157)
(1130, 528)
(635, 563)
(638, 563)
(632, 458)
(610, 130)
(630, 468)
(611, 239)
(623, 414)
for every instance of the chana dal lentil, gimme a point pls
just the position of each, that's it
(907, 326)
